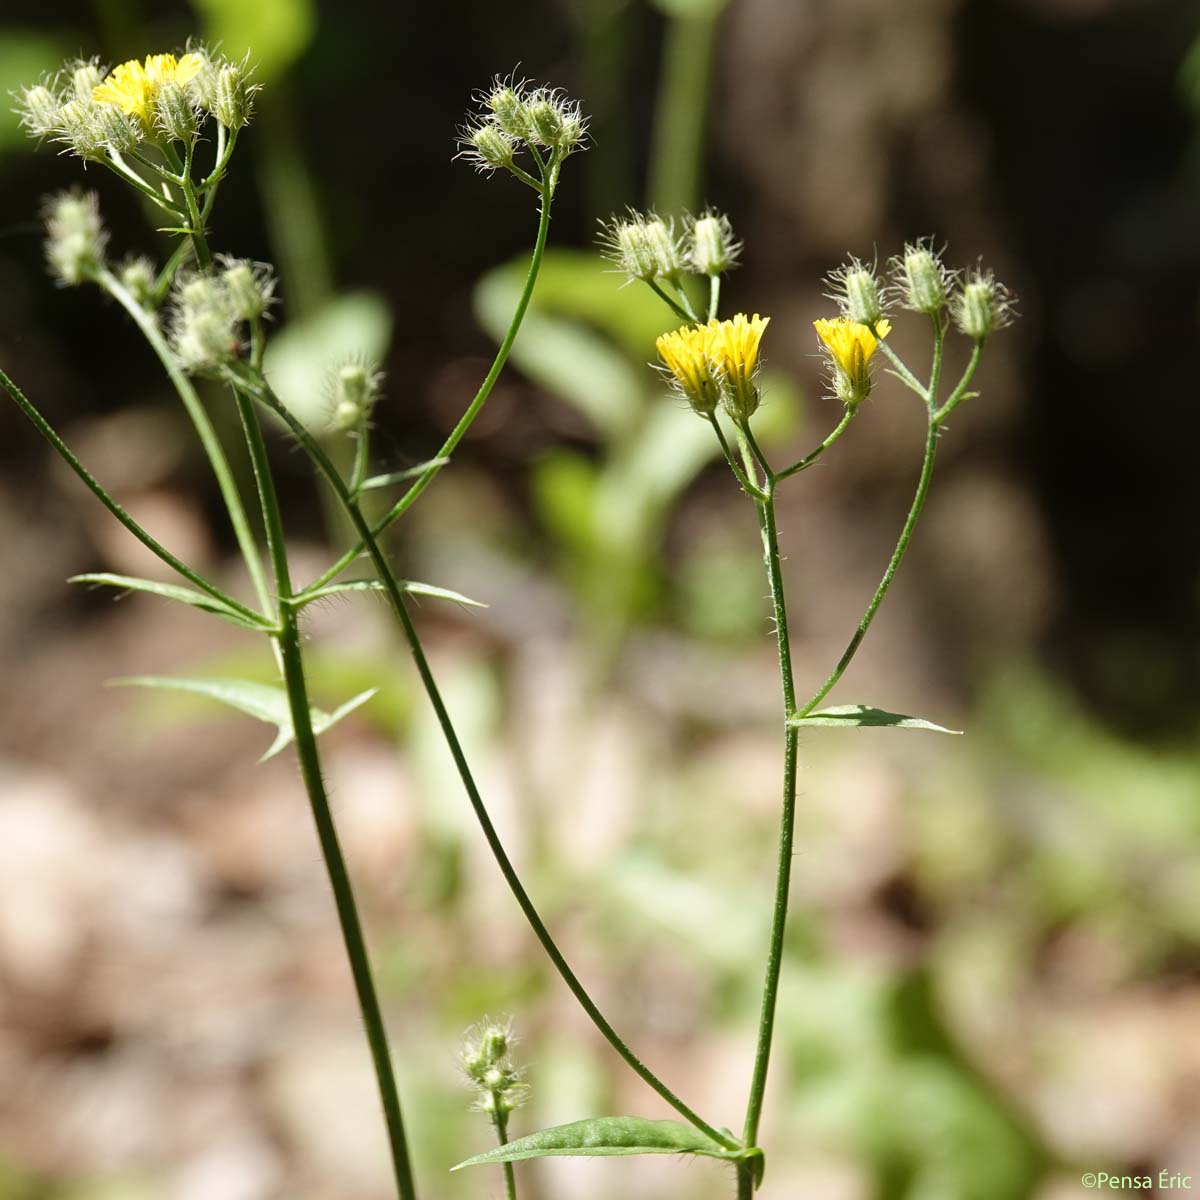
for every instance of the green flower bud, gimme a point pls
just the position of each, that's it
(488, 148)
(643, 246)
(981, 306)
(175, 113)
(547, 120)
(921, 279)
(39, 109)
(511, 112)
(249, 286)
(76, 237)
(86, 77)
(228, 94)
(79, 128)
(114, 128)
(138, 278)
(355, 392)
(204, 325)
(856, 291)
(710, 244)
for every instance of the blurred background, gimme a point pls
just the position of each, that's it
(992, 980)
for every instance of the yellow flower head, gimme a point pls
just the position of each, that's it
(685, 354)
(850, 346)
(733, 350)
(133, 86)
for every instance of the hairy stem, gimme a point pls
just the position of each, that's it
(288, 642)
(395, 595)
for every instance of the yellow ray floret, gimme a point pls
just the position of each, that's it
(133, 86)
(850, 346)
(733, 349)
(684, 353)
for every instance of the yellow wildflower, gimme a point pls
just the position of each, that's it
(684, 353)
(132, 86)
(850, 346)
(733, 350)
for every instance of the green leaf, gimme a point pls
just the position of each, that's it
(171, 591)
(844, 715)
(412, 586)
(393, 477)
(608, 1137)
(301, 356)
(262, 701)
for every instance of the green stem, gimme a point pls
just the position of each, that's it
(485, 389)
(395, 595)
(914, 514)
(288, 642)
(674, 306)
(935, 370)
(155, 547)
(745, 1181)
(122, 170)
(808, 460)
(960, 392)
(196, 222)
(749, 488)
(770, 995)
(902, 372)
(501, 1123)
(208, 438)
(714, 296)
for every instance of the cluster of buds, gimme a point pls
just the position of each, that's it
(75, 236)
(209, 309)
(159, 99)
(514, 116)
(355, 392)
(918, 280)
(646, 246)
(716, 364)
(486, 1061)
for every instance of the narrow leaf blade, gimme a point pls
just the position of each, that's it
(605, 1137)
(258, 700)
(393, 477)
(846, 715)
(168, 591)
(413, 586)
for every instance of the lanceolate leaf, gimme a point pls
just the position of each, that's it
(170, 591)
(845, 715)
(394, 477)
(607, 1137)
(412, 586)
(259, 700)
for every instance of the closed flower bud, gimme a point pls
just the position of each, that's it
(355, 391)
(643, 246)
(85, 76)
(204, 325)
(138, 278)
(488, 147)
(231, 94)
(79, 128)
(981, 306)
(921, 279)
(510, 111)
(39, 110)
(114, 128)
(856, 291)
(249, 286)
(485, 1060)
(175, 113)
(76, 237)
(547, 120)
(711, 246)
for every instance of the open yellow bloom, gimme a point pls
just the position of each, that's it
(133, 86)
(851, 345)
(685, 354)
(733, 349)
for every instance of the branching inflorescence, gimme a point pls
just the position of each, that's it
(146, 121)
